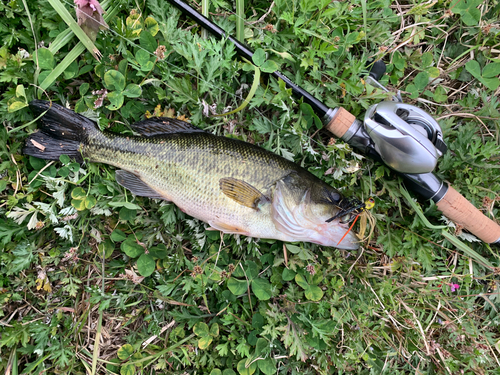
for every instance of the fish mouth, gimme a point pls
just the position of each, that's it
(298, 223)
(337, 235)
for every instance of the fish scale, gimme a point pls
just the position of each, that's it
(234, 186)
(190, 167)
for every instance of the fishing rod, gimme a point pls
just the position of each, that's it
(404, 137)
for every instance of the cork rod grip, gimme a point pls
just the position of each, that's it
(340, 122)
(457, 208)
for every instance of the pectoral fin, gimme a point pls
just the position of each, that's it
(242, 192)
(138, 187)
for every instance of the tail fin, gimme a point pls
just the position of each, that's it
(62, 132)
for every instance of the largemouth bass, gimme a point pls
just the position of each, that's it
(234, 186)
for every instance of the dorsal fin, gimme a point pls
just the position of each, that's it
(158, 126)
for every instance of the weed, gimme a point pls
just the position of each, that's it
(96, 280)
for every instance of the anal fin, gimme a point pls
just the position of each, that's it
(242, 192)
(138, 187)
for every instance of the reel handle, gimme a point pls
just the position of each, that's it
(452, 204)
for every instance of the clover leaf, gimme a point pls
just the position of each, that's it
(116, 83)
(260, 287)
(205, 335)
(310, 285)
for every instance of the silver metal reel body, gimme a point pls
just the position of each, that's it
(407, 138)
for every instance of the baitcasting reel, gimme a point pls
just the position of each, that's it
(407, 138)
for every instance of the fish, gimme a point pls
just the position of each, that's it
(234, 186)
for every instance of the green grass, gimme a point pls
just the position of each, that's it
(237, 305)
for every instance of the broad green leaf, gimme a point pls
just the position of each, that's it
(125, 351)
(214, 330)
(142, 57)
(288, 274)
(421, 80)
(228, 371)
(468, 11)
(78, 204)
(252, 338)
(132, 91)
(116, 99)
(81, 106)
(84, 87)
(45, 59)
(413, 90)
(201, 329)
(117, 235)
(284, 55)
(236, 286)
(132, 248)
(293, 249)
(114, 366)
(316, 278)
(473, 68)
(259, 56)
(129, 205)
(64, 159)
(151, 26)
(106, 248)
(20, 92)
(127, 370)
(491, 70)
(90, 202)
(147, 41)
(433, 72)
(16, 106)
(216, 371)
(269, 66)
(204, 342)
(313, 293)
(257, 321)
(252, 270)
(301, 281)
(99, 70)
(246, 371)
(472, 17)
(426, 59)
(267, 366)
(159, 251)
(78, 193)
(261, 347)
(439, 94)
(114, 80)
(127, 214)
(146, 265)
(71, 71)
(262, 289)
(134, 24)
(398, 61)
(491, 83)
